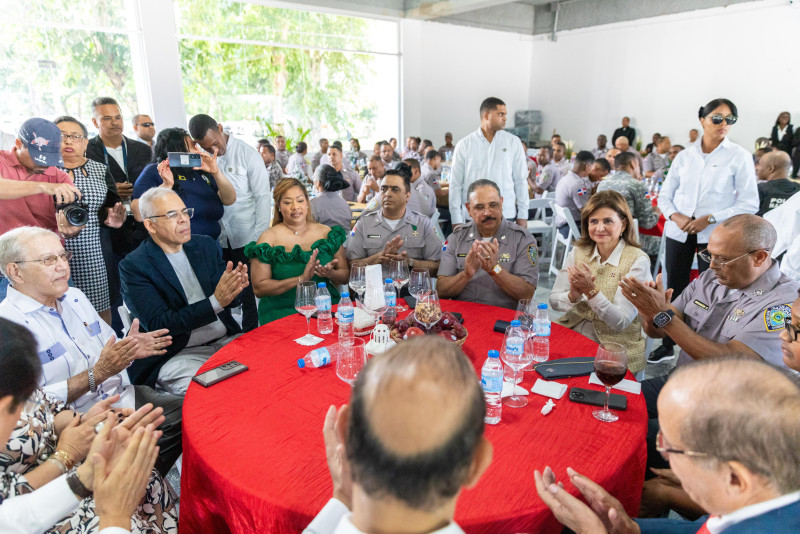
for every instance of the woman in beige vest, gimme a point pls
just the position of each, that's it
(587, 288)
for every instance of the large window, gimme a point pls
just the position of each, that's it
(260, 69)
(58, 56)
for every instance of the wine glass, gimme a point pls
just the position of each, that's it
(420, 282)
(399, 274)
(351, 360)
(358, 280)
(304, 302)
(526, 310)
(515, 355)
(428, 310)
(610, 365)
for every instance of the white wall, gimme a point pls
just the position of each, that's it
(448, 70)
(659, 71)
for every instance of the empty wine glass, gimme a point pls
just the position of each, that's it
(610, 366)
(515, 355)
(428, 310)
(526, 309)
(305, 303)
(358, 280)
(419, 283)
(351, 360)
(399, 275)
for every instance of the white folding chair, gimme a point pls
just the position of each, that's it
(660, 260)
(636, 227)
(574, 232)
(538, 225)
(125, 316)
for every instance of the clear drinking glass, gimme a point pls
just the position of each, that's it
(358, 280)
(428, 310)
(610, 366)
(516, 361)
(351, 360)
(304, 302)
(419, 283)
(526, 310)
(399, 275)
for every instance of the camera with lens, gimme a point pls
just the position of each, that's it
(76, 212)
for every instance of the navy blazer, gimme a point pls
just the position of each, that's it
(784, 520)
(153, 294)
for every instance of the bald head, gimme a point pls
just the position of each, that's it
(416, 422)
(622, 143)
(756, 232)
(740, 410)
(775, 165)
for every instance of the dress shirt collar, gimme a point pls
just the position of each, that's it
(763, 284)
(698, 145)
(26, 304)
(719, 524)
(346, 526)
(615, 256)
(474, 234)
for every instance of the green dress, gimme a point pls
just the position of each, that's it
(290, 264)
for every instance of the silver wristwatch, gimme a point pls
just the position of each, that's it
(92, 384)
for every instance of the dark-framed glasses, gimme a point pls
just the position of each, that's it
(73, 137)
(791, 329)
(147, 124)
(708, 257)
(717, 119)
(50, 260)
(661, 447)
(171, 215)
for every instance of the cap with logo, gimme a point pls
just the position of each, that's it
(42, 138)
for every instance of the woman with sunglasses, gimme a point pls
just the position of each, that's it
(709, 182)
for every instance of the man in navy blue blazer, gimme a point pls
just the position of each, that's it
(731, 433)
(178, 281)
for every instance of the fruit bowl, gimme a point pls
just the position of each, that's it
(447, 327)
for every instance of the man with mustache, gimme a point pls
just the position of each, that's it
(488, 260)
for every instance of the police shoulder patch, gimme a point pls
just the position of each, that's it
(533, 252)
(774, 316)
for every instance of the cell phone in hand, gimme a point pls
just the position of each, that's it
(184, 159)
(219, 373)
(598, 398)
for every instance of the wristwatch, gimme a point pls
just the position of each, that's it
(712, 219)
(76, 486)
(496, 269)
(92, 383)
(663, 318)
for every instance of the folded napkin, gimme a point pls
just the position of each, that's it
(509, 389)
(308, 340)
(373, 296)
(551, 389)
(628, 386)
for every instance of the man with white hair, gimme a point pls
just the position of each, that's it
(82, 360)
(178, 281)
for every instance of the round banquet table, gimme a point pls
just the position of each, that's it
(254, 456)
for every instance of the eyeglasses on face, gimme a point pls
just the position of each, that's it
(665, 451)
(708, 257)
(791, 329)
(147, 124)
(717, 119)
(50, 260)
(75, 137)
(172, 214)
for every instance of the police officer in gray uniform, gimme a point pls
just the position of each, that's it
(488, 260)
(393, 232)
(328, 207)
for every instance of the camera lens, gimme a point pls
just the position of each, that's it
(76, 214)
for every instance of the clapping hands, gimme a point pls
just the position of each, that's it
(231, 283)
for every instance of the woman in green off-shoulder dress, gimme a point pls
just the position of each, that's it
(293, 249)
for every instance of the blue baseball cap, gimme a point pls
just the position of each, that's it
(42, 138)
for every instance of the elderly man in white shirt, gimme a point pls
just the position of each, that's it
(82, 361)
(786, 220)
(419, 401)
(493, 154)
(247, 218)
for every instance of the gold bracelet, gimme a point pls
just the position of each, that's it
(64, 458)
(59, 463)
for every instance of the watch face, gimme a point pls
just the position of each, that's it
(661, 319)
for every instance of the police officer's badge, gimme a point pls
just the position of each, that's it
(533, 252)
(775, 316)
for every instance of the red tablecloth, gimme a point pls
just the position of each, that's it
(658, 229)
(254, 457)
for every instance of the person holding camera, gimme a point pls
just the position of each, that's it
(100, 204)
(31, 185)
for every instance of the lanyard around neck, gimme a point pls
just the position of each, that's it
(124, 155)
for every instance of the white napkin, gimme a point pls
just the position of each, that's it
(308, 340)
(628, 386)
(373, 297)
(547, 388)
(509, 389)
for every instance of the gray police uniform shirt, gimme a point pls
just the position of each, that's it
(517, 254)
(330, 209)
(371, 233)
(548, 176)
(282, 157)
(316, 159)
(351, 177)
(654, 162)
(572, 193)
(753, 315)
(641, 207)
(275, 174)
(431, 175)
(422, 199)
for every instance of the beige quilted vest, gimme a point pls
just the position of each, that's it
(608, 278)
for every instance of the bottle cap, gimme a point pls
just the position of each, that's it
(516, 323)
(387, 281)
(542, 306)
(345, 294)
(494, 354)
(321, 284)
(301, 363)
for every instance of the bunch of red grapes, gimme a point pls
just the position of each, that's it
(448, 327)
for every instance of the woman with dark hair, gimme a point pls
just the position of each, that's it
(297, 162)
(204, 188)
(587, 287)
(329, 208)
(99, 194)
(709, 182)
(294, 249)
(783, 136)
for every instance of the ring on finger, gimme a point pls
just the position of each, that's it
(98, 427)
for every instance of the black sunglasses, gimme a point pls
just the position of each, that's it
(730, 119)
(149, 124)
(792, 330)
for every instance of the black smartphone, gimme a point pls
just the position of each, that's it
(184, 159)
(219, 373)
(500, 326)
(598, 398)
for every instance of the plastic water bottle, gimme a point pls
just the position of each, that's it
(390, 298)
(492, 384)
(323, 301)
(344, 314)
(541, 329)
(319, 357)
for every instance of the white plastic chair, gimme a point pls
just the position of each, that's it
(125, 316)
(636, 228)
(660, 260)
(574, 232)
(538, 225)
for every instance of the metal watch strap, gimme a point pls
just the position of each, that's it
(76, 486)
(92, 384)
